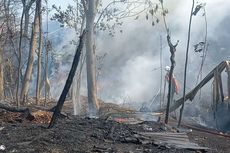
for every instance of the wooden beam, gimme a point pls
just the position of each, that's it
(228, 72)
(216, 87)
(190, 96)
(221, 87)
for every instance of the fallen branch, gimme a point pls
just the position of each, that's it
(13, 108)
(26, 112)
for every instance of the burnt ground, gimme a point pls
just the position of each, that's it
(93, 135)
(217, 144)
(75, 135)
(78, 134)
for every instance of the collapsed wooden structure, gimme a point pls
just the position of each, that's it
(218, 94)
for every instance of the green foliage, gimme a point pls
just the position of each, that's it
(198, 8)
(72, 17)
(110, 17)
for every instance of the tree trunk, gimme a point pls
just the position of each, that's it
(186, 63)
(33, 45)
(170, 87)
(26, 24)
(46, 85)
(19, 61)
(69, 81)
(1, 75)
(27, 6)
(76, 87)
(48, 45)
(90, 59)
(38, 91)
(77, 105)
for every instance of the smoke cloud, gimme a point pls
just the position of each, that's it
(131, 69)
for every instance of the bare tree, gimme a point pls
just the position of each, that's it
(1, 53)
(1, 74)
(172, 49)
(48, 47)
(39, 64)
(19, 58)
(27, 4)
(186, 63)
(90, 11)
(33, 45)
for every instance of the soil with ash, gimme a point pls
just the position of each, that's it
(77, 134)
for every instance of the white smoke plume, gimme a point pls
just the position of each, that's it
(131, 67)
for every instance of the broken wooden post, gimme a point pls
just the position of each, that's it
(69, 81)
(214, 95)
(221, 87)
(228, 73)
(216, 87)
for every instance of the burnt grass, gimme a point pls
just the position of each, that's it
(81, 135)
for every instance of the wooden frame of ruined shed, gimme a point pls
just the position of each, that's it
(217, 88)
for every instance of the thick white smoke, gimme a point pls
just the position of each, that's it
(131, 67)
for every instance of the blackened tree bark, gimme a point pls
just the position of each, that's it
(1, 74)
(69, 81)
(186, 63)
(173, 63)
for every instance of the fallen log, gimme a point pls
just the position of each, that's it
(13, 108)
(25, 111)
(228, 72)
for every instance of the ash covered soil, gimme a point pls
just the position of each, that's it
(78, 134)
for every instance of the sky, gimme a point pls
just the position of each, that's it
(131, 68)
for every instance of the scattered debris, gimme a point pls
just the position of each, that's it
(216, 74)
(42, 117)
(172, 140)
